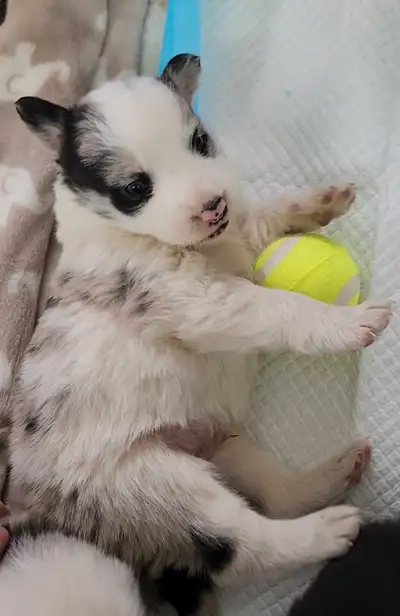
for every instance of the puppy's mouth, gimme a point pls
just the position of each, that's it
(219, 225)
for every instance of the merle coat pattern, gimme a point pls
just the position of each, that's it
(154, 324)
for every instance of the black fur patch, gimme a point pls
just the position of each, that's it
(179, 62)
(32, 424)
(34, 527)
(255, 505)
(53, 407)
(80, 175)
(216, 552)
(220, 229)
(6, 484)
(65, 278)
(125, 283)
(85, 296)
(40, 114)
(49, 339)
(73, 496)
(182, 74)
(84, 174)
(33, 349)
(52, 302)
(201, 143)
(143, 302)
(183, 590)
(85, 516)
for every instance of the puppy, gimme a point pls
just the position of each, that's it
(53, 574)
(129, 406)
(362, 583)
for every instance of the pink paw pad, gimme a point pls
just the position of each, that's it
(328, 196)
(362, 460)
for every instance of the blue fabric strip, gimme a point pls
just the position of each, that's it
(182, 32)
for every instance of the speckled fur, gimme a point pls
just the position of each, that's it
(152, 324)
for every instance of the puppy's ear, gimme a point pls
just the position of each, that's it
(45, 119)
(182, 75)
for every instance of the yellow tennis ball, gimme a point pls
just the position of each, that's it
(311, 264)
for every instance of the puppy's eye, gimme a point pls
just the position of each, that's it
(141, 187)
(134, 189)
(200, 143)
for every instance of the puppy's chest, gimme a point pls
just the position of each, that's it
(100, 374)
(121, 381)
(152, 384)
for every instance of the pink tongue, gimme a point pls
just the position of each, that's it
(210, 216)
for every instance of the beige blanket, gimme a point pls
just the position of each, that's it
(56, 49)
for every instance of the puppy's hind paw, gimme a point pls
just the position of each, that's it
(335, 529)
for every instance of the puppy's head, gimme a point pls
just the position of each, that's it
(133, 152)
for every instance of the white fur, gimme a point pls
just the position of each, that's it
(155, 139)
(190, 356)
(56, 576)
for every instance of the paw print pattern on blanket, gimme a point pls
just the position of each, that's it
(21, 77)
(51, 52)
(16, 188)
(5, 370)
(20, 280)
(101, 21)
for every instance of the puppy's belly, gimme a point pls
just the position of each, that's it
(223, 387)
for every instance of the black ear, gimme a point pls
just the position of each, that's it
(182, 75)
(45, 119)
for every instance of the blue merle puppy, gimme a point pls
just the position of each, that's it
(128, 412)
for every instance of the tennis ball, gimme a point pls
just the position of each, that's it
(311, 264)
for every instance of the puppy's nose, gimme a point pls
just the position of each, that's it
(214, 210)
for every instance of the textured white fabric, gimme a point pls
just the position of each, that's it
(302, 92)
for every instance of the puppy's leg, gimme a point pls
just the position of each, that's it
(274, 547)
(230, 314)
(209, 529)
(170, 517)
(278, 492)
(262, 224)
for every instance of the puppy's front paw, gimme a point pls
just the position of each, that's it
(333, 202)
(350, 328)
(363, 324)
(321, 207)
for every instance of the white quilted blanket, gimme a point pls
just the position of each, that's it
(302, 92)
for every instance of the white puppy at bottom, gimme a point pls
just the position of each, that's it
(128, 412)
(54, 575)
